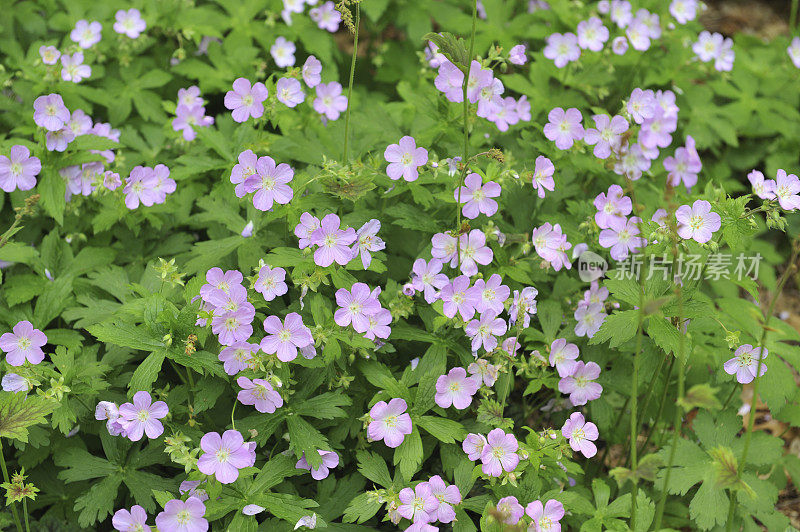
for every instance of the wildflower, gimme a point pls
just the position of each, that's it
(697, 222)
(284, 338)
(271, 282)
(619, 45)
(327, 17)
(432, 55)
(19, 169)
(638, 35)
(746, 362)
(683, 10)
(190, 97)
(245, 100)
(504, 113)
(390, 422)
(545, 517)
(763, 188)
(580, 434)
(283, 52)
(330, 101)
(86, 34)
(428, 279)
(142, 416)
(308, 521)
(500, 453)
(79, 123)
(620, 236)
(592, 34)
(289, 92)
(24, 343)
(564, 127)
(562, 49)
(218, 279)
(187, 117)
(333, 242)
(235, 357)
(579, 384)
(590, 318)
(259, 393)
(418, 503)
(329, 460)
(486, 373)
(607, 136)
(613, 205)
(306, 228)
(511, 510)
(656, 131)
(684, 166)
(446, 496)
(708, 46)
(404, 158)
(517, 55)
(632, 162)
(355, 306)
(483, 331)
(49, 112)
(379, 325)
(490, 98)
(562, 356)
(140, 187)
(223, 456)
(368, 242)
(543, 176)
(134, 520)
(642, 105)
(724, 60)
(621, 13)
(49, 54)
(473, 445)
(179, 516)
(247, 232)
(476, 196)
(311, 71)
(12, 382)
(523, 305)
(232, 327)
(243, 170)
(59, 140)
(793, 50)
(450, 81)
(455, 389)
(474, 251)
(459, 298)
(270, 183)
(787, 188)
(129, 23)
(492, 294)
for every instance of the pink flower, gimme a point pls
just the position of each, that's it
(404, 158)
(611, 205)
(245, 101)
(500, 453)
(283, 52)
(607, 136)
(579, 385)
(473, 445)
(242, 171)
(642, 105)
(271, 282)
(259, 393)
(493, 294)
(192, 489)
(187, 118)
(580, 434)
(517, 55)
(269, 183)
(223, 456)
(86, 34)
(746, 363)
(329, 460)
(482, 371)
(134, 520)
(564, 127)
(684, 166)
(484, 331)
(450, 81)
(427, 278)
(479, 78)
(49, 54)
(129, 23)
(49, 112)
(787, 188)
(455, 389)
(59, 140)
(418, 503)
(474, 251)
(73, 69)
(476, 196)
(330, 101)
(355, 306)
(543, 176)
(368, 241)
(763, 188)
(592, 34)
(562, 356)
(19, 169)
(590, 318)
(510, 509)
(562, 49)
(546, 518)
(390, 422)
(697, 222)
(446, 497)
(290, 92)
(25, 343)
(142, 417)
(443, 247)
(305, 229)
(312, 69)
(459, 298)
(235, 357)
(621, 237)
(140, 187)
(333, 242)
(179, 516)
(619, 45)
(284, 338)
(233, 327)
(379, 325)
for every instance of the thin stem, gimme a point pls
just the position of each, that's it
(793, 16)
(730, 396)
(646, 403)
(661, 404)
(25, 513)
(233, 422)
(350, 84)
(8, 481)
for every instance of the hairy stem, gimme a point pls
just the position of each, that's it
(661, 404)
(8, 481)
(350, 83)
(465, 159)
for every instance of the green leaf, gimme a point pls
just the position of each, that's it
(443, 429)
(18, 412)
(324, 406)
(409, 455)
(617, 328)
(362, 508)
(81, 465)
(147, 372)
(273, 473)
(306, 440)
(550, 316)
(126, 335)
(664, 334)
(374, 468)
(380, 376)
(97, 503)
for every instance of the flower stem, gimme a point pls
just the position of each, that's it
(8, 481)
(793, 16)
(661, 404)
(350, 84)
(25, 513)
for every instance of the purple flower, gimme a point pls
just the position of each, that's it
(428, 279)
(306, 228)
(510, 509)
(327, 17)
(459, 298)
(417, 504)
(545, 517)
(49, 54)
(24, 343)
(179, 516)
(49, 112)
(619, 45)
(433, 56)
(708, 46)
(284, 338)
(683, 10)
(355, 306)
(478, 78)
(517, 55)
(19, 169)
(473, 445)
(631, 162)
(13, 382)
(697, 222)
(329, 460)
(562, 356)
(592, 34)
(745, 363)
(271, 282)
(492, 293)
(73, 69)
(543, 175)
(589, 318)
(446, 497)
(223, 456)
(243, 170)
(621, 237)
(333, 242)
(684, 166)
(564, 127)
(455, 389)
(190, 97)
(142, 416)
(793, 50)
(562, 49)
(330, 101)
(259, 393)
(787, 187)
(500, 453)
(474, 251)
(270, 184)
(763, 188)
(233, 327)
(379, 325)
(476, 196)
(607, 136)
(312, 69)
(656, 131)
(192, 488)
(283, 52)
(579, 385)
(486, 373)
(187, 117)
(639, 35)
(245, 101)
(140, 187)
(247, 232)
(621, 13)
(390, 422)
(580, 434)
(523, 305)
(443, 247)
(613, 205)
(368, 242)
(235, 357)
(86, 34)
(59, 140)
(129, 23)
(79, 123)
(404, 158)
(642, 105)
(133, 520)
(290, 92)
(450, 81)
(483, 331)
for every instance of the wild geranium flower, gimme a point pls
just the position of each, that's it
(134, 520)
(607, 136)
(476, 196)
(24, 343)
(619, 45)
(179, 516)
(546, 240)
(333, 242)
(562, 356)
(329, 460)
(283, 52)
(355, 306)
(86, 34)
(684, 166)
(510, 509)
(562, 49)
(312, 70)
(129, 23)
(500, 453)
(642, 105)
(270, 183)
(455, 389)
(49, 54)
(611, 205)
(708, 46)
(478, 78)
(79, 123)
(306, 228)
(589, 318)
(232, 327)
(493, 293)
(517, 55)
(59, 140)
(683, 10)
(787, 188)
(483, 372)
(187, 118)
(592, 34)
(490, 98)
(746, 362)
(580, 384)
(447, 497)
(216, 278)
(368, 242)
(290, 92)
(621, 237)
(49, 112)
(379, 325)
(142, 416)
(638, 35)
(259, 393)
(473, 445)
(271, 282)
(245, 100)
(390, 422)
(330, 101)
(656, 131)
(327, 17)
(632, 162)
(404, 159)
(284, 338)
(459, 298)
(545, 517)
(243, 170)
(417, 504)
(580, 434)
(763, 188)
(236, 357)
(450, 81)
(223, 456)
(523, 305)
(428, 279)
(621, 13)
(19, 169)
(564, 127)
(474, 251)
(13, 382)
(190, 97)
(543, 175)
(793, 50)
(443, 247)
(697, 222)
(433, 56)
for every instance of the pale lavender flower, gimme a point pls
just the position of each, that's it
(476, 196)
(474, 251)
(79, 123)
(450, 81)
(190, 97)
(330, 101)
(638, 35)
(581, 434)
(656, 131)
(260, 394)
(543, 176)
(698, 222)
(545, 517)
(247, 232)
(241, 171)
(290, 92)
(432, 55)
(223, 456)
(517, 55)
(284, 338)
(23, 344)
(312, 69)
(564, 127)
(619, 45)
(428, 279)
(592, 34)
(179, 516)
(763, 188)
(746, 362)
(642, 105)
(49, 54)
(562, 49)
(306, 228)
(683, 10)
(611, 205)
(684, 166)
(607, 136)
(455, 389)
(708, 46)
(191, 488)
(236, 357)
(19, 169)
(500, 453)
(580, 384)
(404, 158)
(271, 282)
(50, 113)
(329, 460)
(787, 190)
(133, 520)
(379, 325)
(327, 17)
(486, 373)
(589, 318)
(632, 162)
(510, 509)
(417, 504)
(793, 50)
(13, 382)
(270, 184)
(86, 34)
(129, 23)
(355, 306)
(73, 69)
(562, 356)
(186, 118)
(368, 242)
(390, 422)
(333, 242)
(473, 446)
(621, 13)
(446, 497)
(283, 52)
(492, 293)
(142, 416)
(245, 100)
(443, 247)
(59, 140)
(523, 305)
(459, 298)
(621, 237)
(233, 327)
(483, 331)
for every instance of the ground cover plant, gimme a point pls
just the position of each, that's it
(395, 265)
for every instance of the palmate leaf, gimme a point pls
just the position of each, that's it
(18, 412)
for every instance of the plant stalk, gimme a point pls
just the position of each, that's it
(350, 83)
(8, 481)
